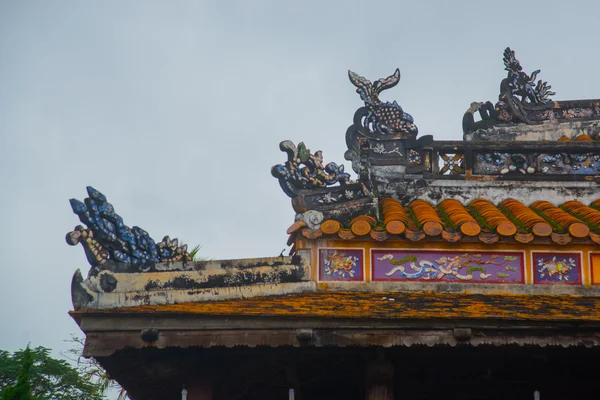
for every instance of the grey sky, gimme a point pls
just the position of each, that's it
(175, 109)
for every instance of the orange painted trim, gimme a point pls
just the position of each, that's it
(594, 268)
(368, 268)
(586, 269)
(528, 268)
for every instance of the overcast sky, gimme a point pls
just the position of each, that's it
(175, 109)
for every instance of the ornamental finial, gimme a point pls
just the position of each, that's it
(383, 117)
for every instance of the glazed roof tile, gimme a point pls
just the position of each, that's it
(454, 221)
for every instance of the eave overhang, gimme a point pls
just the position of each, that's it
(348, 319)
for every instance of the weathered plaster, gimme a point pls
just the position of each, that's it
(98, 300)
(206, 280)
(526, 192)
(134, 282)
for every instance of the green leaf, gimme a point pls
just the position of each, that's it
(303, 152)
(32, 374)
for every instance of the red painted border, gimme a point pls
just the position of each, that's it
(545, 253)
(361, 269)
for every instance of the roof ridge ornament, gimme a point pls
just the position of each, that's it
(523, 101)
(109, 244)
(320, 189)
(304, 170)
(382, 117)
(518, 83)
(382, 133)
(520, 98)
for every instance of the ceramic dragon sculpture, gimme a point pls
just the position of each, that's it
(383, 117)
(519, 84)
(304, 170)
(109, 244)
(521, 99)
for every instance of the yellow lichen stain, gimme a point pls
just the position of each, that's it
(386, 305)
(481, 178)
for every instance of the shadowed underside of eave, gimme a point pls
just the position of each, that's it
(339, 373)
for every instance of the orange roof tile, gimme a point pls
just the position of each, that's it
(453, 221)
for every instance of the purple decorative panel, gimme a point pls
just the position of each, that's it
(341, 265)
(448, 266)
(552, 267)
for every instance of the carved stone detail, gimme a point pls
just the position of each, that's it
(546, 163)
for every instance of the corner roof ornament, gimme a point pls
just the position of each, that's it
(315, 187)
(304, 170)
(111, 245)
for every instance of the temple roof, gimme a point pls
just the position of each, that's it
(453, 221)
(526, 174)
(348, 319)
(523, 180)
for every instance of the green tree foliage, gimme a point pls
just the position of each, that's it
(90, 369)
(44, 377)
(22, 389)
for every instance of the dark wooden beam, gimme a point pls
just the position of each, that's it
(380, 378)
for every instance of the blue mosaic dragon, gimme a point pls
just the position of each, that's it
(110, 244)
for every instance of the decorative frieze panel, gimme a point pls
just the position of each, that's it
(452, 164)
(448, 266)
(554, 267)
(341, 265)
(501, 163)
